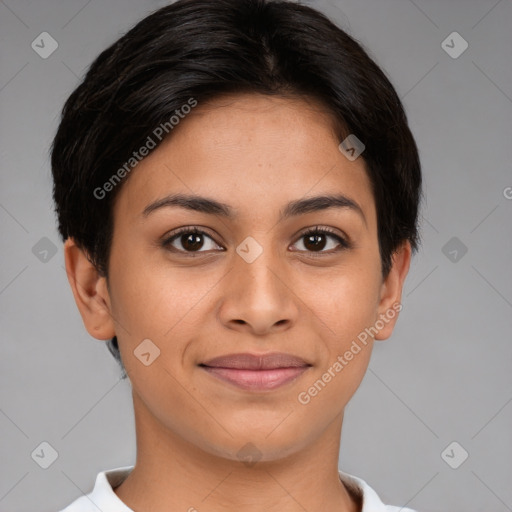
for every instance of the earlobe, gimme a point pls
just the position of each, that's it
(90, 292)
(391, 291)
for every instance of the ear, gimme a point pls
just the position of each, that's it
(391, 290)
(90, 292)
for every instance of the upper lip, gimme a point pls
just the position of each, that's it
(247, 361)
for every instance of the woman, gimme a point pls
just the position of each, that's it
(237, 189)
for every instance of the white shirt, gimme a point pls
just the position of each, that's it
(103, 498)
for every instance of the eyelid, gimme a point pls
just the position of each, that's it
(325, 230)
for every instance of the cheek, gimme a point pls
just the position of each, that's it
(163, 303)
(154, 303)
(345, 301)
(346, 306)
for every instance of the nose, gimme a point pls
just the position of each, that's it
(259, 297)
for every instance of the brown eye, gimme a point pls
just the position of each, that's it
(190, 239)
(315, 240)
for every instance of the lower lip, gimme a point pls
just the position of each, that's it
(257, 380)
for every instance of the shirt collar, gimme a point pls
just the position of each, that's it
(104, 497)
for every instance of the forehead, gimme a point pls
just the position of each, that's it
(248, 150)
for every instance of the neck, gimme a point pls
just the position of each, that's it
(173, 474)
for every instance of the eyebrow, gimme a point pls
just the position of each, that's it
(292, 209)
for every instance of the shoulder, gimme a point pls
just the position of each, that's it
(370, 499)
(102, 497)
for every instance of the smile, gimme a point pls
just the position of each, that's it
(253, 372)
(256, 380)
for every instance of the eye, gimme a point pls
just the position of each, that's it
(191, 240)
(316, 239)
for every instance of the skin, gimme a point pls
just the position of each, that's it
(256, 154)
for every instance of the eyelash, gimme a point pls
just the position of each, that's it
(166, 243)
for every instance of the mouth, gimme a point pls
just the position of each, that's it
(254, 372)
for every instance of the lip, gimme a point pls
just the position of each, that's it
(256, 372)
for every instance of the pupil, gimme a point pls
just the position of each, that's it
(315, 241)
(192, 241)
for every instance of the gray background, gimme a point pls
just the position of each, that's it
(445, 374)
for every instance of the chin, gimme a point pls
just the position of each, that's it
(252, 446)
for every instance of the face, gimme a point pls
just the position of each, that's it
(250, 275)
